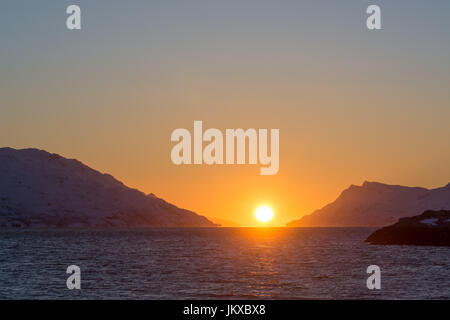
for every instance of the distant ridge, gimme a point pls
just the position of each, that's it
(376, 204)
(43, 190)
(224, 223)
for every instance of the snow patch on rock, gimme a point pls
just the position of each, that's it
(430, 221)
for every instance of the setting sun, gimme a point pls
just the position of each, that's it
(264, 214)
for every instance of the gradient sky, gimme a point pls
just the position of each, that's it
(351, 104)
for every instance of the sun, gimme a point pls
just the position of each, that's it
(264, 214)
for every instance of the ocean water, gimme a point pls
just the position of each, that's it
(222, 263)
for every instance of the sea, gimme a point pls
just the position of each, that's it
(217, 263)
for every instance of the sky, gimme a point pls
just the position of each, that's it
(351, 104)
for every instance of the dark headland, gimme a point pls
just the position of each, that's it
(431, 228)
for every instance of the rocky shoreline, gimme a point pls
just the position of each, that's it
(431, 228)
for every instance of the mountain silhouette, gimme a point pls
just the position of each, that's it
(43, 190)
(376, 204)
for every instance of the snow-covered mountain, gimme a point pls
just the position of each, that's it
(376, 204)
(39, 189)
